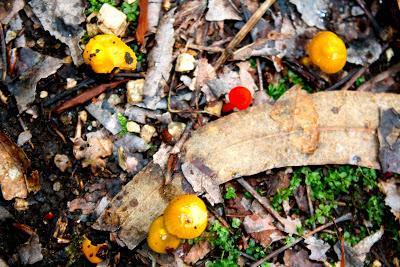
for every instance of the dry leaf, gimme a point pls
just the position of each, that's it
(317, 247)
(256, 223)
(31, 251)
(32, 67)
(391, 189)
(144, 193)
(93, 151)
(220, 10)
(160, 61)
(197, 252)
(62, 19)
(318, 129)
(313, 12)
(364, 246)
(293, 258)
(14, 164)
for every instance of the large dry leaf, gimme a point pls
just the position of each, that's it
(13, 164)
(32, 67)
(299, 129)
(142, 200)
(62, 19)
(160, 61)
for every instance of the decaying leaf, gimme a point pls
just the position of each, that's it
(13, 165)
(317, 247)
(94, 150)
(32, 66)
(9, 8)
(144, 194)
(364, 52)
(298, 258)
(322, 128)
(389, 140)
(391, 188)
(197, 252)
(219, 10)
(160, 61)
(62, 19)
(313, 12)
(31, 251)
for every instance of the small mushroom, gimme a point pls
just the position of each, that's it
(186, 216)
(159, 240)
(239, 98)
(327, 51)
(94, 253)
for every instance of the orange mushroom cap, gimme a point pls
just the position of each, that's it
(239, 97)
(328, 52)
(186, 216)
(159, 240)
(91, 251)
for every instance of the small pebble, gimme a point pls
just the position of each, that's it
(57, 186)
(83, 116)
(134, 91)
(185, 62)
(133, 127)
(147, 133)
(111, 20)
(43, 94)
(71, 83)
(114, 100)
(40, 42)
(214, 108)
(94, 124)
(176, 129)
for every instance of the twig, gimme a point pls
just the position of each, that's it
(87, 95)
(259, 73)
(380, 77)
(3, 53)
(310, 205)
(212, 49)
(263, 201)
(243, 32)
(343, 218)
(344, 80)
(353, 79)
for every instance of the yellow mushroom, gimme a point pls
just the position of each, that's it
(106, 51)
(186, 216)
(92, 252)
(159, 240)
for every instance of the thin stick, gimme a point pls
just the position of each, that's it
(243, 32)
(343, 218)
(212, 49)
(353, 79)
(380, 77)
(259, 72)
(310, 205)
(263, 201)
(3, 53)
(342, 81)
(375, 24)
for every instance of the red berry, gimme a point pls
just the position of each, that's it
(239, 97)
(49, 216)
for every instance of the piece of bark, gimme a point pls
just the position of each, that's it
(140, 201)
(389, 140)
(13, 165)
(299, 129)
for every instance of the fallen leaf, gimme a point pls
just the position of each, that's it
(159, 61)
(364, 246)
(63, 19)
(391, 189)
(313, 11)
(294, 258)
(317, 247)
(197, 252)
(389, 140)
(14, 164)
(31, 251)
(330, 128)
(143, 21)
(256, 223)
(32, 67)
(220, 10)
(145, 192)
(5, 215)
(94, 151)
(246, 79)
(364, 52)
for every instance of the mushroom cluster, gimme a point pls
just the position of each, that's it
(185, 217)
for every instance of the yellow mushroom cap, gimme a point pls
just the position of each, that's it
(328, 52)
(106, 51)
(159, 240)
(186, 216)
(90, 251)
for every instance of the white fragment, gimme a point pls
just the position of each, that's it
(389, 54)
(62, 162)
(147, 133)
(24, 137)
(130, 1)
(133, 127)
(134, 91)
(111, 20)
(176, 129)
(219, 10)
(57, 186)
(185, 62)
(71, 83)
(43, 94)
(83, 116)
